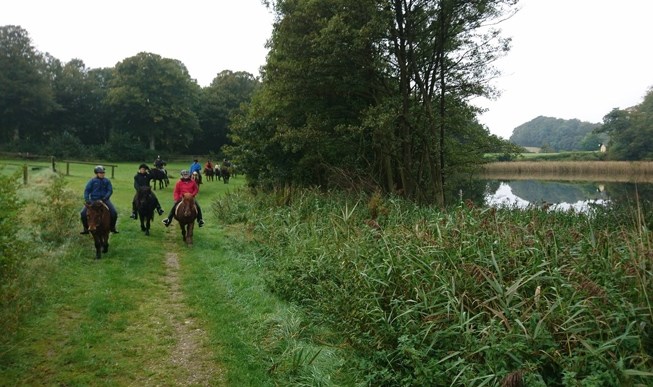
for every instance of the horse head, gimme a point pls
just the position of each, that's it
(144, 193)
(98, 216)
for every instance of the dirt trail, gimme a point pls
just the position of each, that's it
(191, 352)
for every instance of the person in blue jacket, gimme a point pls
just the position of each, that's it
(195, 167)
(99, 188)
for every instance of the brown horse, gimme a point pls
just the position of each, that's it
(99, 224)
(186, 213)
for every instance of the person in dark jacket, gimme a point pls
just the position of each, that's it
(99, 188)
(142, 179)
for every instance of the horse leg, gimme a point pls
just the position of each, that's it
(183, 232)
(189, 235)
(98, 246)
(147, 226)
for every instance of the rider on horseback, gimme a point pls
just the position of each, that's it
(142, 179)
(99, 188)
(184, 185)
(158, 163)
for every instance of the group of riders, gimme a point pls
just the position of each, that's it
(99, 188)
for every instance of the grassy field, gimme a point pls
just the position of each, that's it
(151, 311)
(307, 288)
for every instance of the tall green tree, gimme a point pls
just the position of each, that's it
(218, 102)
(630, 131)
(441, 54)
(320, 74)
(155, 100)
(25, 90)
(377, 88)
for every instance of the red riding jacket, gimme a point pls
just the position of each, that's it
(184, 186)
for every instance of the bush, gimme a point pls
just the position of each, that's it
(66, 145)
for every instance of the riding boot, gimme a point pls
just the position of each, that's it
(85, 224)
(134, 215)
(200, 219)
(113, 225)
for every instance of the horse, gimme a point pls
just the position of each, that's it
(99, 224)
(217, 172)
(225, 174)
(160, 176)
(208, 172)
(145, 205)
(186, 213)
(197, 177)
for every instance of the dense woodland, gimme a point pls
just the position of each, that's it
(369, 95)
(556, 134)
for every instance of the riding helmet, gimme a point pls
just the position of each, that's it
(185, 173)
(99, 169)
(144, 166)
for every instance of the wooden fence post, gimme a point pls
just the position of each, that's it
(54, 166)
(24, 174)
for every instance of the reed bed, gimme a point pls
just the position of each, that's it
(608, 171)
(468, 296)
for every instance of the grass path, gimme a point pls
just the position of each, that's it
(125, 319)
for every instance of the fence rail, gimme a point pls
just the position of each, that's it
(31, 160)
(68, 162)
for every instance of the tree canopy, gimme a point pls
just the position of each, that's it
(372, 91)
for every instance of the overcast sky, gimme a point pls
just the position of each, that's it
(570, 58)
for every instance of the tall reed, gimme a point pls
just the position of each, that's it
(467, 296)
(624, 171)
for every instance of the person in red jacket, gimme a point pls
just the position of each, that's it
(184, 185)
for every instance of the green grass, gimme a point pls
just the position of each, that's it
(115, 321)
(467, 296)
(328, 289)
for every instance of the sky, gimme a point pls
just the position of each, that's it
(570, 59)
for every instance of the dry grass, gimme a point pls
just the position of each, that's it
(606, 171)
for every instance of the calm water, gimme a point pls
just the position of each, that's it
(562, 195)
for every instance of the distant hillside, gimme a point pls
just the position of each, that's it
(557, 134)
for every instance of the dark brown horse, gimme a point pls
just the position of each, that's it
(99, 224)
(145, 204)
(209, 173)
(160, 177)
(186, 213)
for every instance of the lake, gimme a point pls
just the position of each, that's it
(561, 195)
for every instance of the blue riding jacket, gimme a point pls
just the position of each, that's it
(98, 189)
(195, 167)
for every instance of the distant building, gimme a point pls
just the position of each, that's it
(602, 148)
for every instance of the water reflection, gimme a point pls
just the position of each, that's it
(565, 195)
(553, 195)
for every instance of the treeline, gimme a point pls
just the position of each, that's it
(355, 94)
(556, 134)
(144, 105)
(627, 133)
(373, 95)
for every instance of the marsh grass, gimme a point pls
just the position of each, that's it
(468, 296)
(607, 171)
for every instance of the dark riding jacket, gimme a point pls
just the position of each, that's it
(141, 180)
